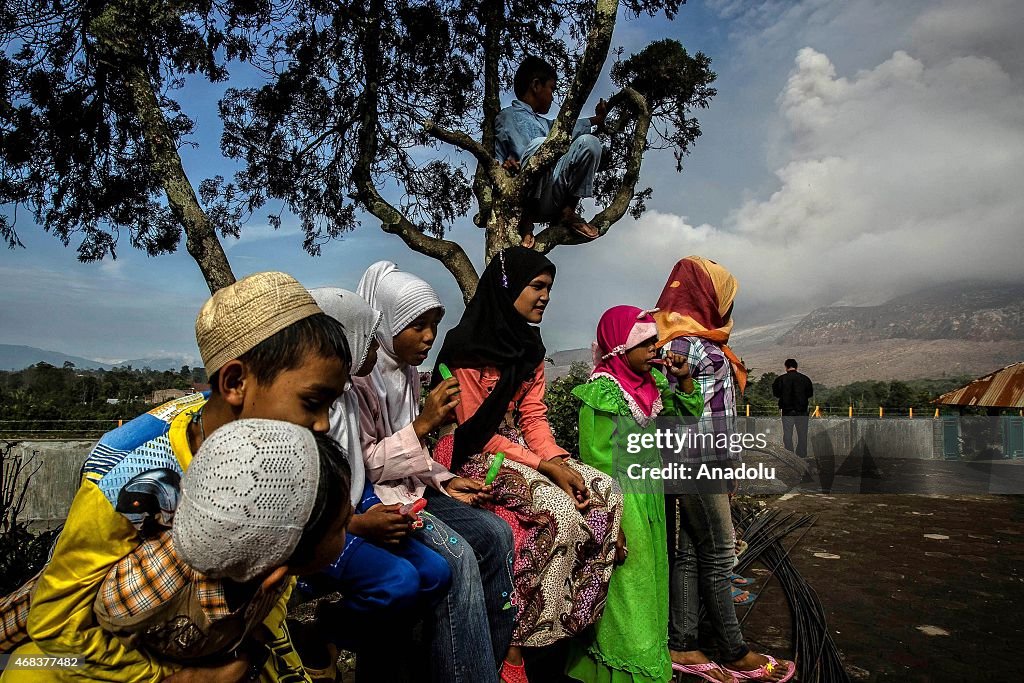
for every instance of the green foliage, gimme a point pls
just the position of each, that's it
(32, 398)
(338, 68)
(564, 408)
(674, 84)
(72, 149)
(759, 395)
(896, 396)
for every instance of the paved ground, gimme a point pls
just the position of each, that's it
(925, 589)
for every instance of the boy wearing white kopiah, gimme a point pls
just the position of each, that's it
(263, 499)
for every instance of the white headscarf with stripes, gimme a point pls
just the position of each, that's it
(360, 322)
(401, 297)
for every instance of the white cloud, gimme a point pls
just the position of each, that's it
(889, 178)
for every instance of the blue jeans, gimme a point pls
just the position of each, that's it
(476, 618)
(571, 178)
(701, 557)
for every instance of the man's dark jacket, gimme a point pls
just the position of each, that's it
(793, 390)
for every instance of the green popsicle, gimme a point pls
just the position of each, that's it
(445, 372)
(492, 473)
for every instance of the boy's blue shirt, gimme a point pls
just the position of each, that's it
(517, 125)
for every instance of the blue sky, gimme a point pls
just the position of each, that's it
(856, 150)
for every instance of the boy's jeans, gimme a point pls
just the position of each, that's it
(701, 557)
(476, 617)
(571, 178)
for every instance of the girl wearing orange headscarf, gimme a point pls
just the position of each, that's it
(694, 320)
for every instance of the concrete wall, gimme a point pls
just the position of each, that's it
(835, 441)
(839, 437)
(55, 482)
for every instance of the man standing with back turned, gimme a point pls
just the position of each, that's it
(793, 389)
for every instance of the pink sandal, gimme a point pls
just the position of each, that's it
(701, 670)
(761, 672)
(512, 673)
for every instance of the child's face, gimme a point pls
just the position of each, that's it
(534, 298)
(640, 356)
(330, 547)
(414, 342)
(543, 95)
(371, 359)
(302, 395)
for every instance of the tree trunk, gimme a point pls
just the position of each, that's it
(200, 237)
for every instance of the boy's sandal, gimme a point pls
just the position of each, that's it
(742, 597)
(512, 673)
(700, 670)
(738, 580)
(584, 230)
(741, 547)
(762, 672)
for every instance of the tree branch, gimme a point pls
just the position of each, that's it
(483, 181)
(200, 238)
(449, 253)
(485, 159)
(638, 145)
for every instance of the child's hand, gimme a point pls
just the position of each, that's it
(567, 479)
(600, 113)
(677, 365)
(438, 407)
(679, 368)
(381, 524)
(469, 491)
(511, 165)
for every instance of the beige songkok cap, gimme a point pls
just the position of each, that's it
(237, 318)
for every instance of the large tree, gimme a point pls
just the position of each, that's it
(378, 106)
(89, 130)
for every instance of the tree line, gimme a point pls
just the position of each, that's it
(43, 392)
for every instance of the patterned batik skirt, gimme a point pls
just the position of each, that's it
(563, 556)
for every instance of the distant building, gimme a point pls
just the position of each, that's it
(1002, 389)
(165, 395)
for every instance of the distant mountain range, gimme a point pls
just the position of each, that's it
(949, 330)
(958, 312)
(15, 357)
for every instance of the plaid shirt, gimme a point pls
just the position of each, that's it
(712, 371)
(14, 616)
(152, 574)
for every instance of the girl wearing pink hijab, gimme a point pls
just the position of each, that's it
(621, 400)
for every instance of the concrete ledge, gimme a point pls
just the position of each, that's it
(56, 466)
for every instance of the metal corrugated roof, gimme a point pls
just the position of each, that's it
(1000, 389)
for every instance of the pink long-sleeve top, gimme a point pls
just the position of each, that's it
(399, 466)
(476, 384)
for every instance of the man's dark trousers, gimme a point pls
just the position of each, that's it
(791, 420)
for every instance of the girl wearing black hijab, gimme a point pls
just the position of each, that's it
(564, 515)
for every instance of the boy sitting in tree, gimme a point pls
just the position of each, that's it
(520, 129)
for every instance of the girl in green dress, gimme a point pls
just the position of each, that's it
(630, 642)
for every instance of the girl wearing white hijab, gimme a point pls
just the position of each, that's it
(477, 615)
(383, 576)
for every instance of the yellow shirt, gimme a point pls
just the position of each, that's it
(95, 537)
